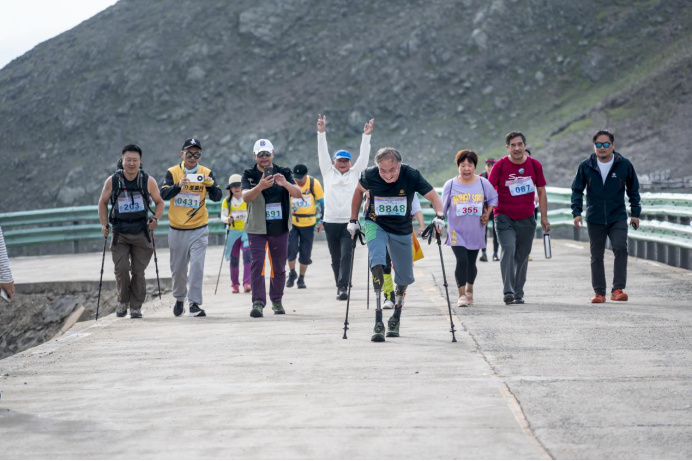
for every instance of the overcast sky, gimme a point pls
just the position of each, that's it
(26, 23)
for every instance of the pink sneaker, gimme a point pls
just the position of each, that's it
(247, 288)
(236, 288)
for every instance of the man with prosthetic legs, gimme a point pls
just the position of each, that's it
(392, 186)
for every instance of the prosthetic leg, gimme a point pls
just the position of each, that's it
(378, 282)
(394, 320)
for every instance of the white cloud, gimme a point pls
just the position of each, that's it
(26, 23)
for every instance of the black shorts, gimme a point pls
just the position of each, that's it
(300, 244)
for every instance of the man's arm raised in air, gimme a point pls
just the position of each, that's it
(364, 156)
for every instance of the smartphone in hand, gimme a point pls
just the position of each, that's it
(268, 171)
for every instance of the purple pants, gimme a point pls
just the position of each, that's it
(235, 263)
(278, 252)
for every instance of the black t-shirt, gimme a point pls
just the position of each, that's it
(390, 203)
(133, 218)
(277, 199)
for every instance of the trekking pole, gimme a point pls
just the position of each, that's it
(427, 233)
(350, 277)
(156, 262)
(103, 261)
(367, 272)
(223, 255)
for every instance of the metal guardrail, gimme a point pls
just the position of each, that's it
(669, 242)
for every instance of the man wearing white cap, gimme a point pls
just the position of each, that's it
(267, 190)
(340, 178)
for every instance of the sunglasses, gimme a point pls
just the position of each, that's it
(191, 155)
(603, 145)
(264, 154)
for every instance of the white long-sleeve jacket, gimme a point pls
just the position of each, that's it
(338, 188)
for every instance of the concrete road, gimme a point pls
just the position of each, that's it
(556, 377)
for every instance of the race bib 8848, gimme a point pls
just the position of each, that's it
(390, 206)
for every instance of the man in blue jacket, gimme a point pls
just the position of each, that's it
(607, 176)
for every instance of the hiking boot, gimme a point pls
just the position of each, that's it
(393, 327)
(257, 310)
(121, 310)
(378, 331)
(388, 304)
(196, 311)
(618, 295)
(179, 308)
(598, 299)
(495, 258)
(509, 298)
(292, 276)
(484, 257)
(135, 313)
(247, 288)
(278, 308)
(236, 289)
(341, 294)
(518, 300)
(301, 282)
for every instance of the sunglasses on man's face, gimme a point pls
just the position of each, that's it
(602, 145)
(191, 155)
(264, 154)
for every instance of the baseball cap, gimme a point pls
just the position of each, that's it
(192, 142)
(489, 161)
(234, 180)
(342, 154)
(299, 171)
(263, 145)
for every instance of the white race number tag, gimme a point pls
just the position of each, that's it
(390, 206)
(305, 202)
(273, 211)
(521, 186)
(239, 215)
(127, 205)
(469, 209)
(186, 200)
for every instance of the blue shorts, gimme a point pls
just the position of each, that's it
(400, 251)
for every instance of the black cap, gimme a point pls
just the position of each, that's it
(192, 142)
(299, 171)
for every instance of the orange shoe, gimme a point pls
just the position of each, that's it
(597, 299)
(618, 295)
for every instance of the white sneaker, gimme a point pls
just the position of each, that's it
(464, 301)
(388, 304)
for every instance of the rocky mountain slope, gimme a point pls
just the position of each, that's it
(437, 75)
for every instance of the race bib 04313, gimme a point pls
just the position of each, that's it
(186, 200)
(390, 206)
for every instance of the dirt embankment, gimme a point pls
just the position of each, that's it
(40, 311)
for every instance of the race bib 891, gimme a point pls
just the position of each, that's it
(273, 211)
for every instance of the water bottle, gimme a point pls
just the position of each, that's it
(546, 246)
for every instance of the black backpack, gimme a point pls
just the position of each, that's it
(118, 186)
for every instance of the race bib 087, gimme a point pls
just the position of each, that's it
(521, 186)
(186, 200)
(390, 206)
